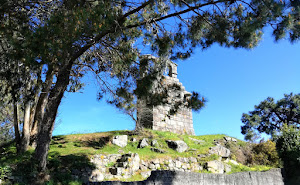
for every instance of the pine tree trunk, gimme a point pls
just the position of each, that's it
(16, 124)
(26, 129)
(40, 108)
(46, 127)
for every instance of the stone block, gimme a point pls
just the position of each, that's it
(215, 166)
(120, 140)
(220, 150)
(143, 143)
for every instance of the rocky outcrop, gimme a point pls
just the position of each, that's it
(143, 143)
(179, 146)
(272, 177)
(120, 140)
(215, 166)
(220, 150)
(116, 166)
(230, 139)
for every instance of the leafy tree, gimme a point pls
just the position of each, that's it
(288, 146)
(270, 116)
(67, 38)
(19, 89)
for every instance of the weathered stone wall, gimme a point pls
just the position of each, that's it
(272, 177)
(159, 117)
(180, 123)
(117, 166)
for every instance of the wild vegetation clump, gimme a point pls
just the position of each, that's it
(263, 153)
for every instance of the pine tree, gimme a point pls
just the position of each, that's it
(269, 116)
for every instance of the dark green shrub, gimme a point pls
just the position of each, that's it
(288, 146)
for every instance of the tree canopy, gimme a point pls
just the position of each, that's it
(269, 116)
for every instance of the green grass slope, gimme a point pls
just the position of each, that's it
(69, 152)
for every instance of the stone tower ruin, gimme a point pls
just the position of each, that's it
(159, 117)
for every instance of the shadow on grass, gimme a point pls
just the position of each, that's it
(96, 143)
(100, 142)
(58, 140)
(62, 168)
(69, 169)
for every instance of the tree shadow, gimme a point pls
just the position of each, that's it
(96, 143)
(62, 169)
(58, 140)
(66, 169)
(100, 141)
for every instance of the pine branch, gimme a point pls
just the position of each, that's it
(121, 19)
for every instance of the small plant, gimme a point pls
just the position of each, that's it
(4, 172)
(110, 164)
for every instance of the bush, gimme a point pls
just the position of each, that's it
(265, 153)
(5, 171)
(288, 146)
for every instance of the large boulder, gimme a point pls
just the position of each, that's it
(215, 166)
(179, 146)
(220, 150)
(120, 140)
(143, 143)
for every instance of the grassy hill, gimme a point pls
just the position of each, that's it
(74, 151)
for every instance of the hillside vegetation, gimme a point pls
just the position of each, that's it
(74, 151)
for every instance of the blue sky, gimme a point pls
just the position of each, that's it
(233, 81)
